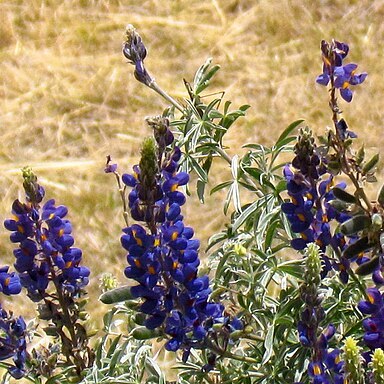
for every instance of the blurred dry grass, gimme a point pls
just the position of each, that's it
(68, 98)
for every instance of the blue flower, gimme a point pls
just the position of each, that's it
(373, 325)
(341, 76)
(333, 55)
(9, 282)
(345, 77)
(164, 259)
(13, 343)
(45, 251)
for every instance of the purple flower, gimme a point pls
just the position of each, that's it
(13, 343)
(164, 259)
(341, 76)
(345, 77)
(373, 325)
(45, 251)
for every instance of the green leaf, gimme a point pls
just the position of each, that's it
(113, 346)
(143, 333)
(245, 214)
(380, 197)
(354, 249)
(369, 165)
(344, 196)
(339, 205)
(287, 131)
(271, 231)
(203, 75)
(294, 268)
(268, 344)
(116, 295)
(360, 155)
(355, 224)
(368, 267)
(116, 357)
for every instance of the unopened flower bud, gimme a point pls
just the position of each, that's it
(148, 172)
(313, 264)
(134, 50)
(352, 359)
(378, 366)
(34, 192)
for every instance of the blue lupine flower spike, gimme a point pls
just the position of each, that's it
(164, 259)
(49, 267)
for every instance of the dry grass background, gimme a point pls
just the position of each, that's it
(68, 98)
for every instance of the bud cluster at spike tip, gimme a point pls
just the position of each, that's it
(134, 50)
(45, 250)
(164, 261)
(341, 76)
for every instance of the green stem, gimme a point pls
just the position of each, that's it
(153, 85)
(123, 199)
(253, 337)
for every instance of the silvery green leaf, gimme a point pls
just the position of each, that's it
(116, 295)
(355, 224)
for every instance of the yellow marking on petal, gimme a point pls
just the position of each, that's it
(175, 265)
(301, 217)
(20, 228)
(371, 299)
(345, 85)
(151, 270)
(16, 218)
(294, 201)
(330, 185)
(7, 281)
(304, 236)
(319, 242)
(309, 195)
(51, 216)
(68, 264)
(138, 240)
(174, 187)
(174, 236)
(137, 263)
(61, 232)
(324, 218)
(156, 243)
(337, 359)
(43, 237)
(317, 369)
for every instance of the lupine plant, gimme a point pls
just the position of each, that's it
(293, 289)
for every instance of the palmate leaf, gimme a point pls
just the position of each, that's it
(203, 76)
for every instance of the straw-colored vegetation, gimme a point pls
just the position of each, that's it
(68, 97)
